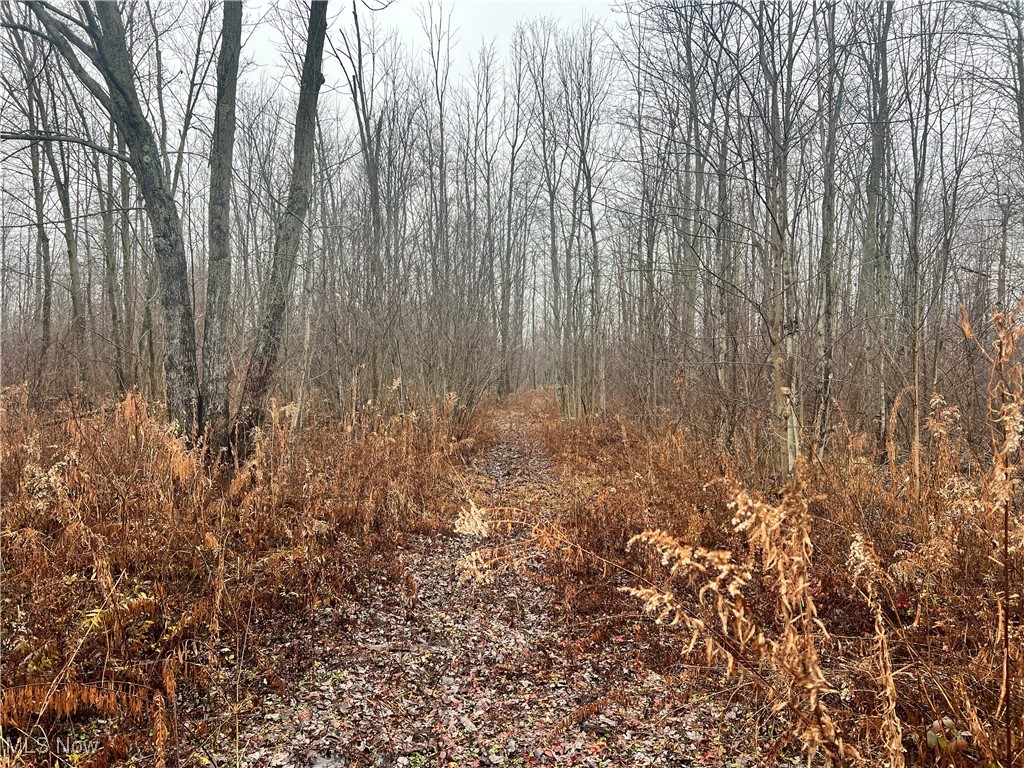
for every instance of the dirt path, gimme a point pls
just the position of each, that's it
(432, 671)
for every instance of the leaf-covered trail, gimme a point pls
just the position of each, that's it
(431, 671)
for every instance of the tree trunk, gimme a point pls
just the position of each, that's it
(181, 379)
(214, 400)
(110, 284)
(832, 98)
(43, 250)
(61, 181)
(110, 57)
(288, 234)
(872, 302)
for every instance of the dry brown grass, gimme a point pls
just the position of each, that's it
(876, 612)
(139, 572)
(879, 615)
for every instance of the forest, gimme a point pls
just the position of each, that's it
(639, 386)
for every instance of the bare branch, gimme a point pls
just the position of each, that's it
(43, 136)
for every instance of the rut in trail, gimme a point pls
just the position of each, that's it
(431, 671)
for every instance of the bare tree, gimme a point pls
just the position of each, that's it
(104, 46)
(830, 52)
(288, 235)
(747, 218)
(875, 272)
(218, 277)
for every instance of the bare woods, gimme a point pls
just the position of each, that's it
(273, 277)
(772, 214)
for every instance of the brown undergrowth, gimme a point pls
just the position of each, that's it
(141, 577)
(877, 613)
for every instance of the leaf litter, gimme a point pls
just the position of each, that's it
(424, 669)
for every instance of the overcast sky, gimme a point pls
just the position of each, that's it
(472, 21)
(485, 20)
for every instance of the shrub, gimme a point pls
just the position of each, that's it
(135, 566)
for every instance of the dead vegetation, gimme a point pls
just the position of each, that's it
(140, 573)
(876, 611)
(870, 608)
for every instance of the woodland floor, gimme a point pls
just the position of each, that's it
(424, 670)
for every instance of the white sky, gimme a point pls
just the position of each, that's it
(476, 21)
(473, 22)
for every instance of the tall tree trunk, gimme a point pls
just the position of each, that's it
(180, 374)
(832, 97)
(61, 177)
(599, 396)
(43, 251)
(214, 400)
(288, 234)
(109, 56)
(307, 334)
(128, 278)
(110, 283)
(558, 322)
(872, 301)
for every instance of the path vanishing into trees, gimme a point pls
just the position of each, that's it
(430, 670)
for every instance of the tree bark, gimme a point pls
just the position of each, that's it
(288, 235)
(214, 400)
(110, 283)
(107, 49)
(872, 303)
(831, 96)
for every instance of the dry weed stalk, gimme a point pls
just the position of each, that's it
(901, 574)
(1006, 414)
(485, 563)
(131, 560)
(865, 566)
(706, 595)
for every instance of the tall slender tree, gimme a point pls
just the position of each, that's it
(105, 46)
(288, 233)
(218, 276)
